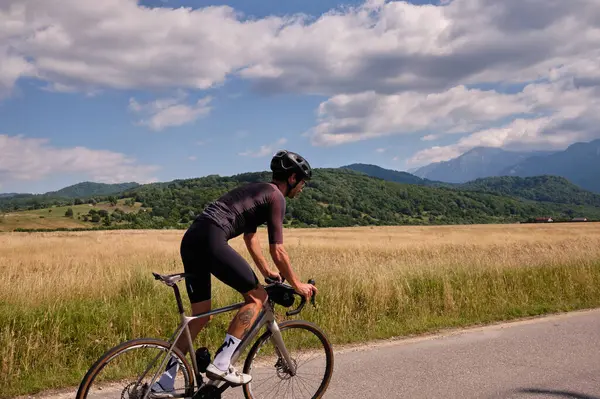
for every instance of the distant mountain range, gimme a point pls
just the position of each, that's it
(474, 164)
(579, 163)
(390, 175)
(553, 189)
(564, 177)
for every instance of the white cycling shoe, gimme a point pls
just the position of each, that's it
(230, 375)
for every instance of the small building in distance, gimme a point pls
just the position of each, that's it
(543, 220)
(579, 219)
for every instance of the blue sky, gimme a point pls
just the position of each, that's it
(83, 100)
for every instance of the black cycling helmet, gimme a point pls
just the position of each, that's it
(289, 162)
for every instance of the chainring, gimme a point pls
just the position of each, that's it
(208, 392)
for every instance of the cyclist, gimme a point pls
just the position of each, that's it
(205, 251)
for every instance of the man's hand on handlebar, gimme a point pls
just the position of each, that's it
(273, 277)
(306, 290)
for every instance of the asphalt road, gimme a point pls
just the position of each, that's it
(557, 357)
(552, 357)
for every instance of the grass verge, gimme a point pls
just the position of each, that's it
(53, 344)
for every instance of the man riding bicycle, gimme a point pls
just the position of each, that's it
(205, 251)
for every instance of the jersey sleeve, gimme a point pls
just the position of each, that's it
(275, 218)
(250, 228)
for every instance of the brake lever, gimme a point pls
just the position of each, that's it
(312, 298)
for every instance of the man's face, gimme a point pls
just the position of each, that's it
(298, 189)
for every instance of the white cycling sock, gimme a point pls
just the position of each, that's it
(224, 353)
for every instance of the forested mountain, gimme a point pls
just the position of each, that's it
(343, 197)
(81, 192)
(538, 188)
(90, 189)
(579, 163)
(389, 174)
(476, 163)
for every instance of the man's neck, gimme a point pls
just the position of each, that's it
(282, 186)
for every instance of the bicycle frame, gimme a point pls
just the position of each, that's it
(266, 318)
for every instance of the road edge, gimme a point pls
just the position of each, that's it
(455, 331)
(340, 349)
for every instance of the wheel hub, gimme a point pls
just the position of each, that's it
(283, 372)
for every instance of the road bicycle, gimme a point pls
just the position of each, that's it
(283, 359)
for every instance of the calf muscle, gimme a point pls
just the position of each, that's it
(244, 320)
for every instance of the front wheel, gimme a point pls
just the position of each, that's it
(126, 370)
(311, 353)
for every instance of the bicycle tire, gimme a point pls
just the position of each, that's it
(126, 346)
(286, 325)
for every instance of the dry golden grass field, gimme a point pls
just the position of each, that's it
(66, 297)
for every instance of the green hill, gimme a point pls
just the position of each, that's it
(90, 189)
(83, 192)
(553, 189)
(538, 188)
(342, 197)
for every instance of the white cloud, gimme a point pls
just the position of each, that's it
(33, 159)
(380, 150)
(192, 158)
(11, 68)
(121, 44)
(353, 117)
(398, 46)
(563, 113)
(389, 67)
(167, 112)
(264, 150)
(386, 47)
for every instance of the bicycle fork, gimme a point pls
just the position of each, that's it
(280, 347)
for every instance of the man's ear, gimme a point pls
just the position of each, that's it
(292, 179)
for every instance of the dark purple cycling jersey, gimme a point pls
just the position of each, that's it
(244, 208)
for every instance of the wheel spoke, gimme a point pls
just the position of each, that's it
(117, 373)
(305, 344)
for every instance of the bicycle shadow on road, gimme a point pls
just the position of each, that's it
(559, 394)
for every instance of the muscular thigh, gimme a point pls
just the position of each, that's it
(231, 268)
(195, 258)
(205, 251)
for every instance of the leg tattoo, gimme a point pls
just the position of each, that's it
(246, 317)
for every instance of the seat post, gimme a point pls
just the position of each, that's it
(178, 298)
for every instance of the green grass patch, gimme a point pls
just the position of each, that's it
(52, 345)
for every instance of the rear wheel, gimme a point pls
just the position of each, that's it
(310, 351)
(126, 370)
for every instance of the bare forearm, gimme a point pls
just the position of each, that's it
(282, 261)
(255, 250)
